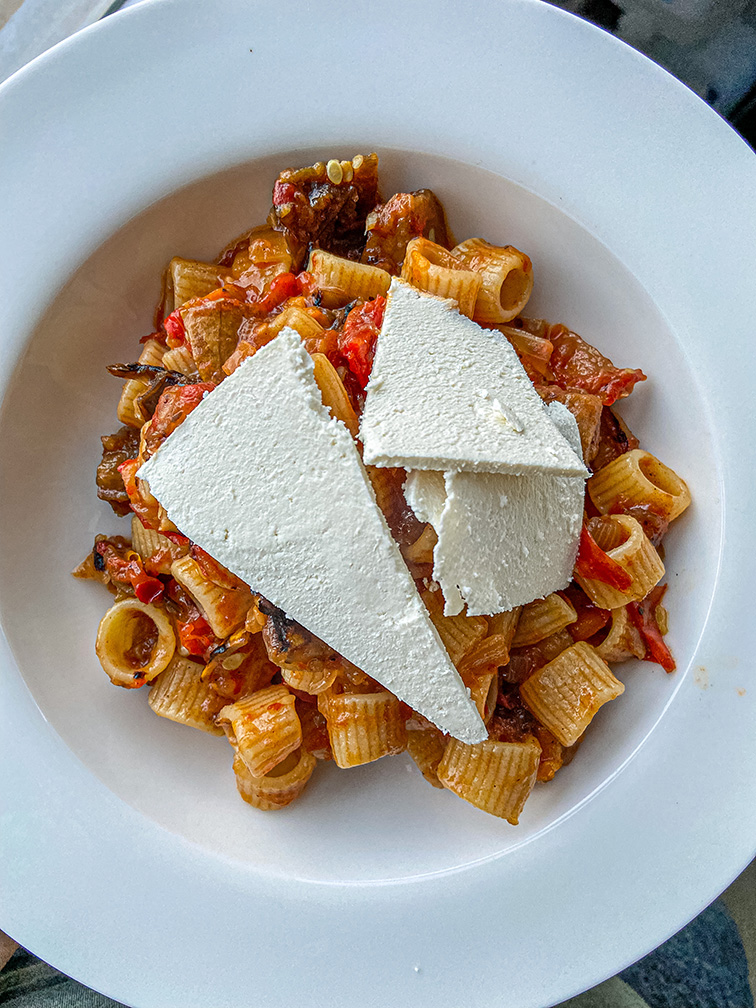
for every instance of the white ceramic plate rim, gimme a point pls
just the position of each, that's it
(583, 902)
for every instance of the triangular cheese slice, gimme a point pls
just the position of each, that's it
(267, 482)
(446, 394)
(503, 540)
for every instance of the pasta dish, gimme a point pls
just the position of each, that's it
(529, 534)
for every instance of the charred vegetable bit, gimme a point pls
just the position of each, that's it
(158, 378)
(512, 721)
(614, 439)
(116, 449)
(137, 370)
(393, 225)
(326, 206)
(290, 645)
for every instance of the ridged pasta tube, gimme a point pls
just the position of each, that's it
(484, 688)
(427, 746)
(363, 727)
(542, 618)
(212, 332)
(506, 279)
(300, 321)
(348, 279)
(263, 727)
(496, 777)
(155, 547)
(179, 694)
(180, 359)
(309, 680)
(135, 642)
(639, 478)
(459, 634)
(333, 393)
(622, 538)
(188, 279)
(493, 651)
(566, 694)
(225, 608)
(280, 787)
(431, 268)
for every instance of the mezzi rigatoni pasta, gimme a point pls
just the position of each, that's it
(222, 656)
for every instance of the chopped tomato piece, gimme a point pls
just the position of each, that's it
(174, 406)
(145, 510)
(177, 537)
(285, 286)
(193, 629)
(593, 562)
(283, 192)
(307, 283)
(196, 636)
(150, 589)
(358, 337)
(643, 615)
(125, 565)
(174, 329)
(576, 364)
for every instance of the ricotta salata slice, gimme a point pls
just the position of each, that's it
(503, 540)
(268, 483)
(446, 394)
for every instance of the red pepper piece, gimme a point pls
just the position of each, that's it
(174, 328)
(643, 615)
(593, 563)
(149, 589)
(285, 286)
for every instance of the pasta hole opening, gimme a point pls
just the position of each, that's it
(660, 476)
(140, 639)
(611, 531)
(516, 287)
(286, 765)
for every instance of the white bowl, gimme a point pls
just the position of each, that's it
(130, 862)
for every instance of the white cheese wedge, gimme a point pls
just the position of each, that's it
(446, 394)
(502, 540)
(267, 482)
(425, 492)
